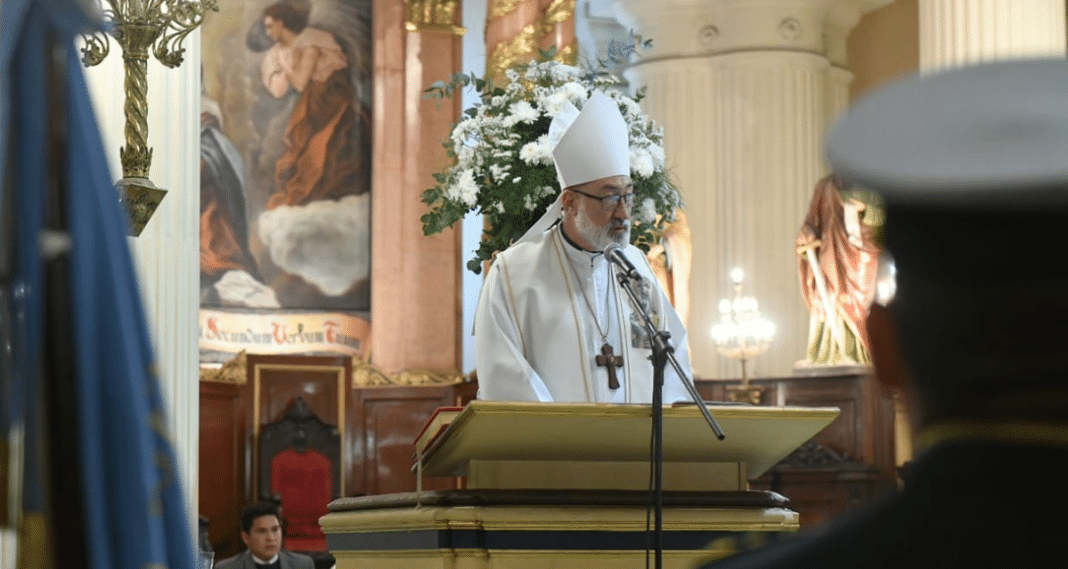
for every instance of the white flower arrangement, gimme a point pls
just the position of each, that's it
(504, 166)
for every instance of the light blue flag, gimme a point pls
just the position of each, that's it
(133, 500)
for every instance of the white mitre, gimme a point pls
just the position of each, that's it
(587, 146)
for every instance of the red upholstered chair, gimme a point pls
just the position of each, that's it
(299, 462)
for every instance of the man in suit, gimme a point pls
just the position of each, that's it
(261, 530)
(972, 165)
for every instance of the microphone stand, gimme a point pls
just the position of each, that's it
(663, 352)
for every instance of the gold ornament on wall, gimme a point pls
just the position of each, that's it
(513, 51)
(233, 371)
(501, 8)
(558, 12)
(366, 375)
(524, 45)
(433, 15)
(139, 26)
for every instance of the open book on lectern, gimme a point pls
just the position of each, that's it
(487, 432)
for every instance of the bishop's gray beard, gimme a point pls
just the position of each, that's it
(600, 237)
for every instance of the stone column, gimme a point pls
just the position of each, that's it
(745, 90)
(167, 253)
(954, 33)
(415, 298)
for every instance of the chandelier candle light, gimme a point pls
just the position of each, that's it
(742, 334)
(138, 26)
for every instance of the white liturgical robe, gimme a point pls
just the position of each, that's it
(536, 337)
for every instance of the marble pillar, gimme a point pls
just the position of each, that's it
(960, 32)
(745, 90)
(415, 279)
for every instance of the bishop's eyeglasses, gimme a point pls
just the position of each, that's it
(610, 202)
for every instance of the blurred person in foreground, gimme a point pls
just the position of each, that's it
(261, 530)
(972, 165)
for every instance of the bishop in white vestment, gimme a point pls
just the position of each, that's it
(553, 323)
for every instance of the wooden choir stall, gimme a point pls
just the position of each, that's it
(564, 485)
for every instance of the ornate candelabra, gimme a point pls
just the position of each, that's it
(138, 26)
(742, 334)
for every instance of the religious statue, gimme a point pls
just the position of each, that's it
(838, 262)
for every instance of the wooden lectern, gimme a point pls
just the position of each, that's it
(567, 485)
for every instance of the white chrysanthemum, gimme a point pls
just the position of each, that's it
(499, 172)
(517, 179)
(466, 189)
(500, 207)
(641, 162)
(459, 132)
(552, 102)
(462, 134)
(647, 211)
(547, 191)
(575, 92)
(465, 154)
(657, 153)
(523, 111)
(561, 73)
(545, 148)
(512, 75)
(452, 193)
(530, 153)
(537, 152)
(528, 202)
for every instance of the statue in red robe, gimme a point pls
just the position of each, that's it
(837, 264)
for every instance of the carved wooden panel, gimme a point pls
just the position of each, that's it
(849, 463)
(389, 420)
(222, 465)
(820, 494)
(380, 425)
(276, 381)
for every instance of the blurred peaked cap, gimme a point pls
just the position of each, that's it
(984, 137)
(595, 145)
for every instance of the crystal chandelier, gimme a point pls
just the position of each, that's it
(742, 334)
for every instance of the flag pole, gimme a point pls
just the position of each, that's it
(57, 365)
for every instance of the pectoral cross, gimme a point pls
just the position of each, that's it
(608, 360)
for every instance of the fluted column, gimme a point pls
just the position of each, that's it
(745, 90)
(167, 252)
(954, 33)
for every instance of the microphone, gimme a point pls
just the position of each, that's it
(614, 253)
